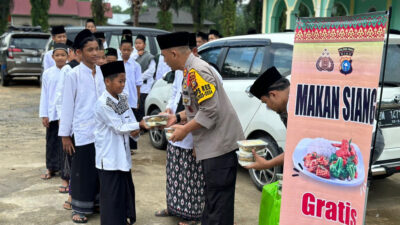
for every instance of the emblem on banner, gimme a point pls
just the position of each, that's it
(325, 62)
(345, 60)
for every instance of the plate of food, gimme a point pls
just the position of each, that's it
(156, 120)
(332, 162)
(247, 158)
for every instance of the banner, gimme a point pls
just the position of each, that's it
(331, 111)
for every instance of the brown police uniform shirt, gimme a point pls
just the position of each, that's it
(206, 102)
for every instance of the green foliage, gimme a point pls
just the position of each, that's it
(98, 10)
(39, 13)
(229, 16)
(116, 9)
(164, 20)
(5, 7)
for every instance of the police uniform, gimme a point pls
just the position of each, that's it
(207, 103)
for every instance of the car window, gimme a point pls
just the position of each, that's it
(29, 42)
(257, 63)
(238, 61)
(116, 40)
(211, 56)
(71, 35)
(281, 56)
(392, 64)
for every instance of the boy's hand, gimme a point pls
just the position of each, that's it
(143, 125)
(259, 164)
(168, 111)
(67, 145)
(45, 122)
(135, 133)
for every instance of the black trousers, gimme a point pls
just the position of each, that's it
(84, 179)
(54, 152)
(117, 197)
(132, 143)
(142, 101)
(220, 181)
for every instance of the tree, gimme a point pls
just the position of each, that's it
(98, 10)
(5, 9)
(136, 5)
(253, 14)
(229, 16)
(116, 9)
(164, 15)
(39, 13)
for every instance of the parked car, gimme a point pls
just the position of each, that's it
(241, 59)
(113, 36)
(21, 49)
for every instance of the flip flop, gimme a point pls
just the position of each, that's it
(66, 189)
(82, 218)
(162, 213)
(46, 176)
(67, 203)
(189, 223)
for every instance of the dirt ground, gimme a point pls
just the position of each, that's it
(26, 199)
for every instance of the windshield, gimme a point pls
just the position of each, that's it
(29, 42)
(393, 64)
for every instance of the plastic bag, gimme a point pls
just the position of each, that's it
(270, 206)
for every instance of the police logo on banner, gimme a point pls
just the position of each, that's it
(345, 60)
(324, 62)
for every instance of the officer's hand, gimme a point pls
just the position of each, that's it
(259, 164)
(143, 125)
(179, 133)
(67, 145)
(171, 120)
(168, 111)
(45, 122)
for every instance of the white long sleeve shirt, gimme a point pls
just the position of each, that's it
(50, 79)
(114, 122)
(48, 60)
(60, 87)
(176, 95)
(81, 91)
(162, 68)
(133, 79)
(147, 76)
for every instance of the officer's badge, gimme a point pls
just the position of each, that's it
(324, 62)
(345, 60)
(185, 72)
(192, 78)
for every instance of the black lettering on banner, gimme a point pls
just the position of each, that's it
(301, 99)
(346, 109)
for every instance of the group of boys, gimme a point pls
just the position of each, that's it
(89, 100)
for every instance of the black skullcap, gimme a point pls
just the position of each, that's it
(112, 68)
(171, 40)
(111, 52)
(70, 43)
(126, 32)
(59, 46)
(82, 37)
(142, 37)
(203, 35)
(126, 39)
(99, 34)
(90, 21)
(192, 40)
(57, 30)
(100, 43)
(215, 32)
(263, 82)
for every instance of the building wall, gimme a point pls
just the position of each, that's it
(272, 11)
(53, 20)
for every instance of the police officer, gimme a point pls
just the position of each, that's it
(214, 124)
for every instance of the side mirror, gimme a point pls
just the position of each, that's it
(169, 77)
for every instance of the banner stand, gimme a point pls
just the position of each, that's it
(370, 178)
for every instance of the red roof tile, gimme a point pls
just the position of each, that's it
(70, 7)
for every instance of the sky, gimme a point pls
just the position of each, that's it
(124, 3)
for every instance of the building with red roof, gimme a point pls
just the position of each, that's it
(71, 13)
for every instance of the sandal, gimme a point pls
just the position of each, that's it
(162, 213)
(63, 189)
(47, 176)
(67, 205)
(81, 219)
(189, 223)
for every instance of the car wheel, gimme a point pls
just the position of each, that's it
(380, 177)
(157, 137)
(5, 80)
(263, 177)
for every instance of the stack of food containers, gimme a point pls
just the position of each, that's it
(156, 120)
(245, 155)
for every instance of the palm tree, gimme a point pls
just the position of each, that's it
(136, 5)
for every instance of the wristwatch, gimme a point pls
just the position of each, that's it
(178, 118)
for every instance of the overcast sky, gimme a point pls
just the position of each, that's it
(124, 3)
